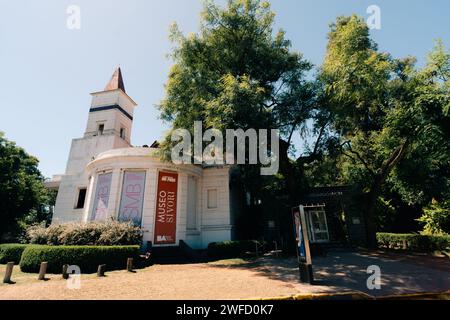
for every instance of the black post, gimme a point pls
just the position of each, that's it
(306, 273)
(65, 275)
(101, 270)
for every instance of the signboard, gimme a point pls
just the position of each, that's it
(132, 198)
(301, 235)
(100, 209)
(166, 208)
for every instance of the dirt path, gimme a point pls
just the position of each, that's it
(265, 278)
(197, 282)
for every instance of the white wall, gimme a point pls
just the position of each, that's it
(212, 224)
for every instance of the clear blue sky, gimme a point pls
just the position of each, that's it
(48, 71)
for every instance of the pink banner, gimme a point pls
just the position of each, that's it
(100, 210)
(132, 198)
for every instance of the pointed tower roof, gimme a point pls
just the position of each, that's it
(116, 81)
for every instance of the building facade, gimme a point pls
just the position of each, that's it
(107, 178)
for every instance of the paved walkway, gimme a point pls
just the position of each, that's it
(264, 278)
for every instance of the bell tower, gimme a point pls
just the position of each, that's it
(111, 111)
(108, 127)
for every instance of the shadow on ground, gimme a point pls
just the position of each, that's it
(347, 271)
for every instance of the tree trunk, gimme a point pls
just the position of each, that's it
(370, 213)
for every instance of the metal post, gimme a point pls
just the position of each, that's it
(101, 270)
(130, 265)
(65, 275)
(305, 267)
(8, 272)
(43, 271)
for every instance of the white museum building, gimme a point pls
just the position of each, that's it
(108, 178)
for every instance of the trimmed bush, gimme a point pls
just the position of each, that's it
(110, 233)
(230, 249)
(88, 258)
(413, 242)
(11, 252)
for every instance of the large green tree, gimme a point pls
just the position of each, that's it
(21, 187)
(236, 73)
(388, 116)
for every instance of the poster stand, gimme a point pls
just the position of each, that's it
(303, 248)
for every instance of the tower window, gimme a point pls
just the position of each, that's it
(81, 198)
(101, 128)
(122, 133)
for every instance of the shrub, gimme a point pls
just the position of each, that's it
(436, 218)
(88, 258)
(90, 234)
(11, 252)
(414, 242)
(230, 249)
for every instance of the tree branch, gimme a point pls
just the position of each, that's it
(360, 158)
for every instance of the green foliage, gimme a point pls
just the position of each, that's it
(230, 249)
(88, 258)
(11, 252)
(436, 219)
(93, 233)
(414, 242)
(380, 124)
(354, 75)
(390, 119)
(22, 190)
(235, 73)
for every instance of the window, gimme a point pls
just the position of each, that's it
(81, 198)
(212, 199)
(318, 225)
(101, 128)
(122, 133)
(192, 204)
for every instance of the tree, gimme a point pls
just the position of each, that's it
(21, 186)
(384, 112)
(235, 74)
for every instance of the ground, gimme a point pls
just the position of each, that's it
(266, 277)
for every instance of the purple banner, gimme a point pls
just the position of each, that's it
(100, 209)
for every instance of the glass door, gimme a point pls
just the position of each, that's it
(318, 226)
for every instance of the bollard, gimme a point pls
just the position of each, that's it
(8, 273)
(130, 265)
(65, 275)
(256, 249)
(43, 271)
(101, 270)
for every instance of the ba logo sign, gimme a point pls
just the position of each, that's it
(162, 238)
(169, 179)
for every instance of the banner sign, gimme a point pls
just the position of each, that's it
(100, 209)
(132, 198)
(299, 234)
(166, 208)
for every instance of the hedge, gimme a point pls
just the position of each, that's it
(88, 258)
(413, 242)
(11, 252)
(110, 233)
(230, 249)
